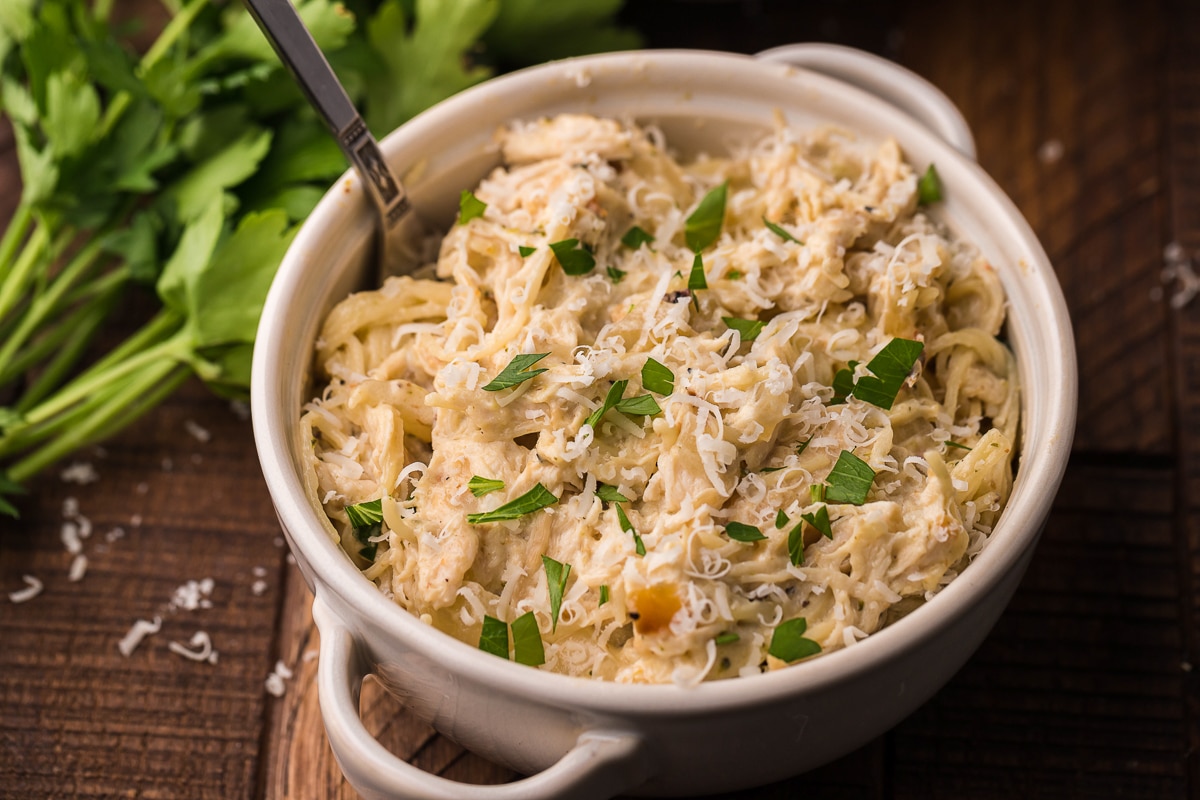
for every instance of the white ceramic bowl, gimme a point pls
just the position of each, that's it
(580, 738)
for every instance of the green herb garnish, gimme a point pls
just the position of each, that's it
(816, 492)
(929, 187)
(788, 642)
(820, 520)
(641, 406)
(535, 499)
(781, 518)
(575, 260)
(481, 486)
(635, 237)
(803, 445)
(364, 515)
(889, 369)
(603, 594)
(958, 446)
(741, 532)
(748, 328)
(703, 225)
(517, 371)
(469, 207)
(657, 378)
(843, 383)
(796, 544)
(850, 480)
(780, 232)
(696, 279)
(366, 520)
(615, 275)
(493, 638)
(627, 526)
(726, 637)
(525, 250)
(611, 399)
(556, 579)
(527, 641)
(610, 494)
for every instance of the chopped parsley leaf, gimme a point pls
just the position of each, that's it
(366, 521)
(781, 518)
(635, 237)
(850, 480)
(615, 275)
(481, 486)
(517, 371)
(741, 532)
(780, 232)
(726, 637)
(641, 406)
(657, 378)
(535, 499)
(820, 520)
(748, 328)
(527, 641)
(525, 251)
(364, 515)
(696, 279)
(796, 544)
(929, 187)
(603, 594)
(889, 368)
(816, 492)
(575, 260)
(788, 642)
(610, 494)
(611, 399)
(957, 445)
(493, 638)
(703, 225)
(627, 526)
(469, 207)
(556, 579)
(803, 445)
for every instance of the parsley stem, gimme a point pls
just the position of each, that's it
(14, 234)
(41, 307)
(67, 342)
(24, 269)
(118, 406)
(174, 349)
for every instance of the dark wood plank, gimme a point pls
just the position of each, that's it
(1183, 86)
(1079, 692)
(1083, 78)
(79, 718)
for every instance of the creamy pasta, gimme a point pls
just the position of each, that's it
(682, 517)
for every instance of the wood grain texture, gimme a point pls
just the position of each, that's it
(79, 719)
(1084, 79)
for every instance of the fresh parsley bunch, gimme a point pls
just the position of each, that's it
(186, 169)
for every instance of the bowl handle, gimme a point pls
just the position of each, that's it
(600, 765)
(885, 79)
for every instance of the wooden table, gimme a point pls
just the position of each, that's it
(1087, 114)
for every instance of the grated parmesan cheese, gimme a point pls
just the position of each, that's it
(748, 428)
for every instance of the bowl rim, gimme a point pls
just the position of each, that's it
(1037, 478)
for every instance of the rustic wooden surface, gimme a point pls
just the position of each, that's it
(1085, 689)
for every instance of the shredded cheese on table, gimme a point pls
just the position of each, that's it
(749, 427)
